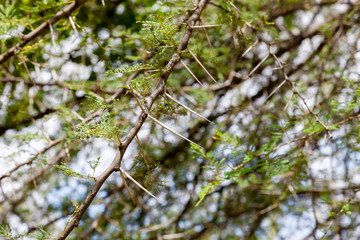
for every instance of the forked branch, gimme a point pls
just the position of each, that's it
(63, 13)
(115, 165)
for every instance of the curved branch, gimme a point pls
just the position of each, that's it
(63, 13)
(115, 165)
(26, 121)
(28, 162)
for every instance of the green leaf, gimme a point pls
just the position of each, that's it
(248, 157)
(206, 190)
(5, 231)
(133, 68)
(67, 171)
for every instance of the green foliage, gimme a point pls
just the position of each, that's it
(205, 190)
(166, 108)
(95, 103)
(147, 168)
(94, 164)
(201, 96)
(235, 141)
(65, 113)
(105, 128)
(258, 167)
(41, 234)
(17, 112)
(215, 163)
(43, 6)
(27, 137)
(5, 231)
(160, 33)
(133, 68)
(342, 208)
(143, 84)
(346, 209)
(67, 171)
(8, 17)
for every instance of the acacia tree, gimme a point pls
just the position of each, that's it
(179, 119)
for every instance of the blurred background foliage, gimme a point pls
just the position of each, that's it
(280, 162)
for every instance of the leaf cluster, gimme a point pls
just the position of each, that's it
(105, 128)
(71, 173)
(147, 167)
(41, 234)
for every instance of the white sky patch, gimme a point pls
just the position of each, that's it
(169, 137)
(129, 157)
(339, 7)
(96, 209)
(338, 184)
(56, 61)
(70, 44)
(343, 60)
(99, 67)
(268, 71)
(262, 50)
(45, 76)
(299, 227)
(99, 148)
(305, 50)
(22, 152)
(52, 125)
(104, 34)
(80, 93)
(4, 100)
(189, 186)
(321, 168)
(246, 120)
(304, 18)
(74, 71)
(234, 129)
(16, 224)
(144, 132)
(249, 87)
(326, 150)
(316, 40)
(120, 9)
(282, 150)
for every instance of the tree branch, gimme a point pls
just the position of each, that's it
(115, 165)
(63, 13)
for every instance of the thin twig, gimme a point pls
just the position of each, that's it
(142, 152)
(296, 92)
(126, 186)
(137, 100)
(52, 35)
(208, 39)
(73, 25)
(28, 72)
(187, 108)
(249, 48)
(191, 72)
(277, 88)
(171, 130)
(201, 65)
(207, 26)
(257, 66)
(127, 175)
